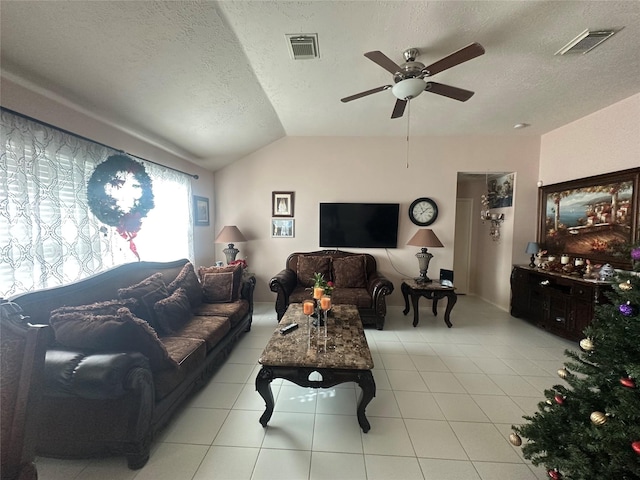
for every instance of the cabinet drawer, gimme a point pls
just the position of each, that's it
(582, 292)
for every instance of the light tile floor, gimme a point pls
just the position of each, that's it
(445, 403)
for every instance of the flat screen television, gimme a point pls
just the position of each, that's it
(359, 225)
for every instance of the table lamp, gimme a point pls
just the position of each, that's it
(533, 249)
(230, 234)
(424, 238)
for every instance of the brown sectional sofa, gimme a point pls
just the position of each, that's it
(355, 275)
(127, 347)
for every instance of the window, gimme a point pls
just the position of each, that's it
(48, 236)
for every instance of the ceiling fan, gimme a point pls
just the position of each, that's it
(409, 78)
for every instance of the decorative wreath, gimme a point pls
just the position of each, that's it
(112, 172)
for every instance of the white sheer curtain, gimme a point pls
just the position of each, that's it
(48, 236)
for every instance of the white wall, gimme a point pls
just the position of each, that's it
(605, 141)
(373, 169)
(363, 169)
(27, 102)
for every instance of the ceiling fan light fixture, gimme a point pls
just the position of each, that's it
(408, 88)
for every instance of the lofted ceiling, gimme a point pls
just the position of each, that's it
(214, 81)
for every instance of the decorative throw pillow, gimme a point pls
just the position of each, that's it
(173, 312)
(109, 307)
(310, 264)
(188, 280)
(236, 270)
(147, 292)
(120, 332)
(218, 287)
(350, 272)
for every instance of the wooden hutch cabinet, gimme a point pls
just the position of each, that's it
(561, 304)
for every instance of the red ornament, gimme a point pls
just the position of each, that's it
(628, 382)
(636, 447)
(555, 474)
(559, 399)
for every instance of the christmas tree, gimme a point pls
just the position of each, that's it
(589, 427)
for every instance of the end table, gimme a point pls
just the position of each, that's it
(431, 290)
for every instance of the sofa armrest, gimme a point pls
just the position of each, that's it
(379, 284)
(248, 286)
(94, 375)
(379, 287)
(284, 281)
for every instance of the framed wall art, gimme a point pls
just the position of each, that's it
(282, 204)
(500, 191)
(594, 217)
(282, 228)
(200, 211)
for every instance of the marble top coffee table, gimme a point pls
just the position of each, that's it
(345, 357)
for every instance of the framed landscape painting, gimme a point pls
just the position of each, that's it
(594, 217)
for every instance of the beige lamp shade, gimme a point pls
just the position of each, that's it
(230, 234)
(424, 238)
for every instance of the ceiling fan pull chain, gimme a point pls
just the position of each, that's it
(408, 129)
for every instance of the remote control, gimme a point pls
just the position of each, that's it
(288, 328)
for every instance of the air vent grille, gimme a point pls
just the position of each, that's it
(586, 41)
(303, 46)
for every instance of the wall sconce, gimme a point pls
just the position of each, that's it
(496, 220)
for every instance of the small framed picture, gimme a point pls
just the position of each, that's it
(200, 211)
(282, 204)
(282, 228)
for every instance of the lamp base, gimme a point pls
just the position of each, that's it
(532, 264)
(424, 257)
(424, 279)
(230, 253)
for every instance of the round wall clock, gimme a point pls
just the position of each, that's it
(423, 211)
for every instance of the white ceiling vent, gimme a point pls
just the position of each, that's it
(586, 41)
(303, 46)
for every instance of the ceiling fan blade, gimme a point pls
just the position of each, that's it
(449, 91)
(456, 58)
(382, 60)
(398, 110)
(364, 94)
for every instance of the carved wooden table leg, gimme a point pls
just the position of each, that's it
(452, 298)
(368, 386)
(404, 288)
(263, 386)
(434, 306)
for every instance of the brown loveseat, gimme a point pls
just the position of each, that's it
(127, 347)
(355, 275)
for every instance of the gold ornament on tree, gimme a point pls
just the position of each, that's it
(515, 439)
(625, 286)
(587, 345)
(598, 418)
(563, 373)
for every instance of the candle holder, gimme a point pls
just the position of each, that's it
(318, 316)
(308, 308)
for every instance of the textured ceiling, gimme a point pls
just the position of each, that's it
(214, 81)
